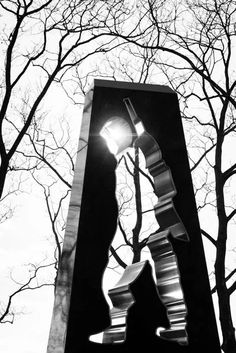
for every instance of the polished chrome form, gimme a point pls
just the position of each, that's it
(165, 260)
(166, 265)
(165, 190)
(122, 299)
(169, 286)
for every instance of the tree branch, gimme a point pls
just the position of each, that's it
(209, 237)
(117, 257)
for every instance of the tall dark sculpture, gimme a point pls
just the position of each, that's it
(139, 305)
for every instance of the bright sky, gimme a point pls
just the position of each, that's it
(25, 239)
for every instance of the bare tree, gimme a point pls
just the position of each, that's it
(42, 43)
(7, 313)
(47, 158)
(188, 45)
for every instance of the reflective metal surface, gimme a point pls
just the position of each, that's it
(169, 286)
(122, 299)
(166, 265)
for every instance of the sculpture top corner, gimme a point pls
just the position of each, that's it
(130, 86)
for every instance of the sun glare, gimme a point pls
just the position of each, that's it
(118, 135)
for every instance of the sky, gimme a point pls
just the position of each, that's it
(23, 239)
(26, 238)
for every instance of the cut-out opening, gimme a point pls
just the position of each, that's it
(135, 210)
(128, 214)
(117, 134)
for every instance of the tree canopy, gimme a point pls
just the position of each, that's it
(51, 50)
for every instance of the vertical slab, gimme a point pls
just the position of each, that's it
(58, 331)
(80, 307)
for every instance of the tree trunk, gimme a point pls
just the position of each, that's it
(136, 231)
(3, 173)
(228, 331)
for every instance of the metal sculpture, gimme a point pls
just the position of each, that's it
(166, 265)
(80, 308)
(122, 300)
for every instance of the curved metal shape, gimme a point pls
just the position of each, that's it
(165, 260)
(122, 299)
(169, 286)
(165, 211)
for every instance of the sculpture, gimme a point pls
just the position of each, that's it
(80, 309)
(166, 265)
